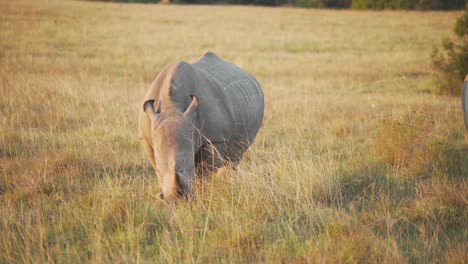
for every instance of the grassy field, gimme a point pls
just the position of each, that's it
(358, 159)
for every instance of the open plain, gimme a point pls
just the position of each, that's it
(358, 159)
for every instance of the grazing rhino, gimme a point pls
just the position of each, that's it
(205, 112)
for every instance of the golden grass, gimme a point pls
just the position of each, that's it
(357, 160)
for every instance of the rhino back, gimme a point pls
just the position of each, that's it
(231, 100)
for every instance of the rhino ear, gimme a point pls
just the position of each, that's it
(192, 107)
(148, 107)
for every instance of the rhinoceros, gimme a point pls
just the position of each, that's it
(201, 113)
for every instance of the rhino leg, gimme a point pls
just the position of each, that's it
(211, 156)
(234, 152)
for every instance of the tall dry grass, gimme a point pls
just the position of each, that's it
(357, 159)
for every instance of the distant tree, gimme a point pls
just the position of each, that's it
(438, 4)
(309, 3)
(408, 4)
(357, 4)
(135, 1)
(337, 3)
(451, 63)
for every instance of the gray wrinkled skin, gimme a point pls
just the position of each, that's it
(202, 113)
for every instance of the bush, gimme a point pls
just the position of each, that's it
(137, 1)
(381, 4)
(451, 63)
(357, 4)
(309, 3)
(408, 4)
(336, 3)
(438, 4)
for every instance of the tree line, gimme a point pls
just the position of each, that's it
(354, 4)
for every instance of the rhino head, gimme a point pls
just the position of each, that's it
(174, 138)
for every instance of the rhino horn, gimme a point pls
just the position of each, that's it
(192, 107)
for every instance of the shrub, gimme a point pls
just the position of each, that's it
(336, 3)
(358, 4)
(451, 63)
(438, 4)
(309, 3)
(408, 4)
(381, 4)
(137, 1)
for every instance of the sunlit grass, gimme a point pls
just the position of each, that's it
(357, 159)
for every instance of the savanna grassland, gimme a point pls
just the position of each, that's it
(358, 159)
